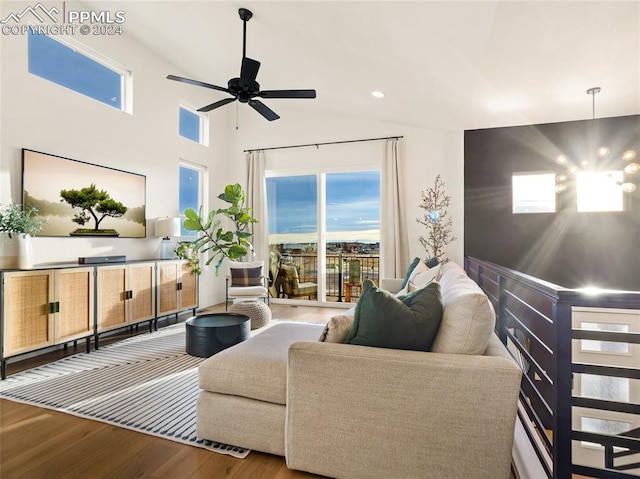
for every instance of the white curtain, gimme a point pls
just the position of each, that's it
(257, 201)
(394, 250)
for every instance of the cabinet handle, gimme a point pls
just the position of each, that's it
(130, 294)
(179, 285)
(54, 307)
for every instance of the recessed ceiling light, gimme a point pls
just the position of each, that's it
(377, 94)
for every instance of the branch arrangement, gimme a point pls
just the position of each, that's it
(439, 226)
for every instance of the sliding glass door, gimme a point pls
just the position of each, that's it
(324, 234)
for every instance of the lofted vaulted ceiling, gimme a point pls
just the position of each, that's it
(442, 65)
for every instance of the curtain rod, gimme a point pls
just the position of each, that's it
(317, 145)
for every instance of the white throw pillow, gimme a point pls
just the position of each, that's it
(425, 277)
(337, 329)
(420, 268)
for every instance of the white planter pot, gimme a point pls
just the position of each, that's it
(16, 252)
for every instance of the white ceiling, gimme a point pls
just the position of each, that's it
(442, 65)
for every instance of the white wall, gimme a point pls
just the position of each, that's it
(43, 116)
(424, 155)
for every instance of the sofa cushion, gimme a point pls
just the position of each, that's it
(468, 318)
(406, 322)
(337, 329)
(256, 368)
(410, 269)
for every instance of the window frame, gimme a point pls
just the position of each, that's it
(203, 124)
(126, 75)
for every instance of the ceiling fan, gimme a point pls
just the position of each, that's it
(245, 89)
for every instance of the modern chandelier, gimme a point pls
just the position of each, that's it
(602, 152)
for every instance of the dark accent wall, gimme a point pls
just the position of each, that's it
(568, 248)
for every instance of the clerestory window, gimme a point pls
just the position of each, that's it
(75, 67)
(193, 126)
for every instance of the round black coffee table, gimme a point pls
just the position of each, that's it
(209, 334)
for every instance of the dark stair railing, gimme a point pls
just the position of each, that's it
(533, 318)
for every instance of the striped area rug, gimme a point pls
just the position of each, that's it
(147, 383)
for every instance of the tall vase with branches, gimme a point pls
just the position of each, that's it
(435, 218)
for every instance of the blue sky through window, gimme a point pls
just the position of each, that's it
(189, 125)
(71, 69)
(291, 204)
(353, 203)
(189, 194)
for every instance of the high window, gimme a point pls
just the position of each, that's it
(534, 193)
(76, 68)
(192, 192)
(193, 125)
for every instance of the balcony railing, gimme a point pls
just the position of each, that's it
(337, 271)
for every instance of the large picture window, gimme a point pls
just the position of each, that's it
(77, 69)
(324, 229)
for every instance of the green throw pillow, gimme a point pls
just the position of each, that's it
(410, 269)
(406, 322)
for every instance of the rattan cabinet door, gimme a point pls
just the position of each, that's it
(168, 280)
(188, 288)
(112, 297)
(74, 296)
(28, 311)
(142, 288)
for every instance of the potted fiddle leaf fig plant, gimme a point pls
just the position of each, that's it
(16, 227)
(215, 238)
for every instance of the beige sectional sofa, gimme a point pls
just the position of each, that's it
(348, 411)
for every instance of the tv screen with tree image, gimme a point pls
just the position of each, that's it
(83, 199)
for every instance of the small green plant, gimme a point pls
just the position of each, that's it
(439, 234)
(185, 251)
(15, 220)
(222, 243)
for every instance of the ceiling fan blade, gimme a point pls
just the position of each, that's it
(215, 105)
(196, 83)
(264, 110)
(249, 70)
(288, 94)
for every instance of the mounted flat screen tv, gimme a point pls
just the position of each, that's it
(79, 199)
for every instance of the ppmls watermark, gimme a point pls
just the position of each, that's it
(38, 19)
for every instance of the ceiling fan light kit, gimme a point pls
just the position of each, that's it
(245, 88)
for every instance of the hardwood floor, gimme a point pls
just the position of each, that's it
(40, 443)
